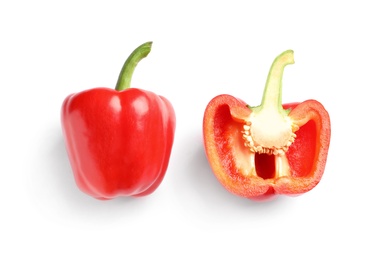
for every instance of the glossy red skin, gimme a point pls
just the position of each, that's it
(118, 142)
(223, 122)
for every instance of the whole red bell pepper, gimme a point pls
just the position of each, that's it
(119, 141)
(262, 151)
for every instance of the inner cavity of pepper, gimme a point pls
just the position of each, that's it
(269, 166)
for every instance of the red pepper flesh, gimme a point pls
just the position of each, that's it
(119, 141)
(268, 150)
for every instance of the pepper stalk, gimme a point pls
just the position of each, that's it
(130, 64)
(269, 130)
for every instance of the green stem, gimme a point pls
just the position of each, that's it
(272, 95)
(130, 64)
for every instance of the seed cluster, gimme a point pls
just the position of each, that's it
(258, 148)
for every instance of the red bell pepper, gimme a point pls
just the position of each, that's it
(119, 141)
(260, 152)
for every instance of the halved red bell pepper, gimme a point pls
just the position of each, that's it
(119, 141)
(259, 152)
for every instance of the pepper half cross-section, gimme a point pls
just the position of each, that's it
(274, 148)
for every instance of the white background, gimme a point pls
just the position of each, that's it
(50, 49)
